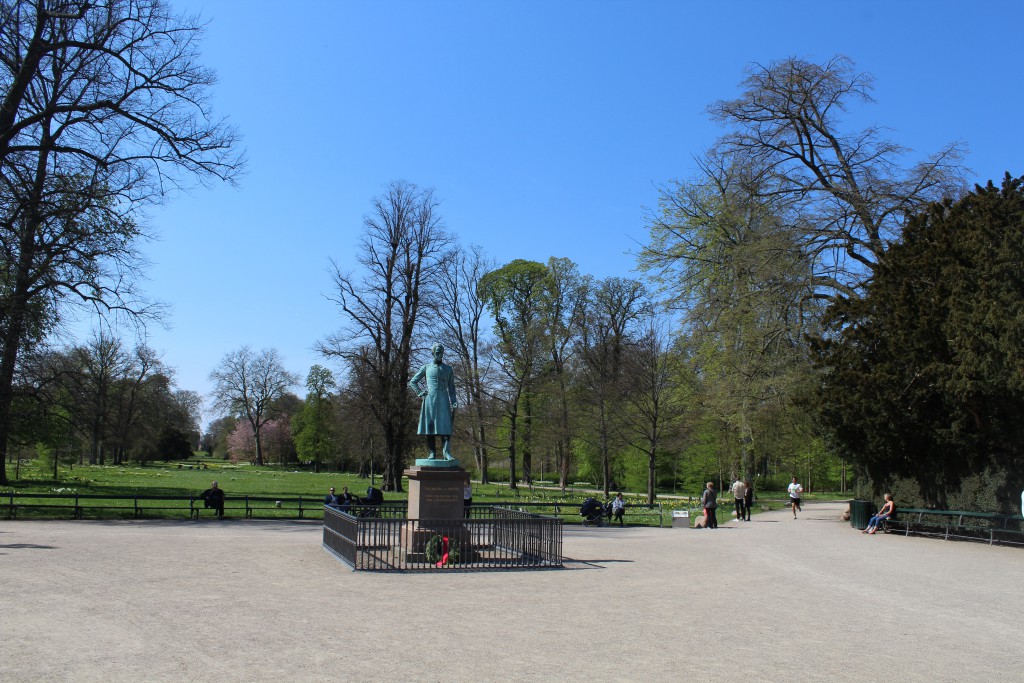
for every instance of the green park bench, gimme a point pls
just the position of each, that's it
(958, 524)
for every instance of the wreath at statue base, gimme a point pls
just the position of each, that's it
(442, 550)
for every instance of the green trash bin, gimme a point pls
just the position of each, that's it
(860, 513)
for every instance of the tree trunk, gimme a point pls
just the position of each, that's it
(259, 446)
(564, 448)
(512, 433)
(481, 447)
(652, 474)
(527, 440)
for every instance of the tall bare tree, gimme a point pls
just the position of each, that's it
(403, 255)
(614, 307)
(248, 384)
(460, 316)
(652, 400)
(847, 193)
(564, 306)
(103, 110)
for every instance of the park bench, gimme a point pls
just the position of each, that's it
(16, 501)
(957, 524)
(570, 511)
(251, 505)
(80, 504)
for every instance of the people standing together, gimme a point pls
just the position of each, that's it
(743, 499)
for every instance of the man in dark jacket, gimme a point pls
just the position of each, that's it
(709, 501)
(332, 499)
(213, 497)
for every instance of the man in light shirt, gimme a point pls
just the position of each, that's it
(739, 490)
(795, 489)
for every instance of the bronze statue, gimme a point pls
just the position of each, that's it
(435, 384)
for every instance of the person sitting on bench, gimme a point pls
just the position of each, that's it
(883, 514)
(332, 499)
(213, 497)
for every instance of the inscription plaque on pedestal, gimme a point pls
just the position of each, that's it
(436, 507)
(435, 493)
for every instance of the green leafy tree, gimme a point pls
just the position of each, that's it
(924, 378)
(515, 296)
(313, 426)
(174, 444)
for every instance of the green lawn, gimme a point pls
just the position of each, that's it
(185, 479)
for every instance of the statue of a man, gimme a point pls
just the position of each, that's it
(438, 401)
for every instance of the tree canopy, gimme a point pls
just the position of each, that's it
(924, 377)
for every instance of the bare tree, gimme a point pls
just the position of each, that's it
(848, 194)
(564, 303)
(102, 111)
(403, 255)
(652, 402)
(460, 316)
(614, 307)
(248, 384)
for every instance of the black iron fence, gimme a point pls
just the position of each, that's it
(101, 505)
(491, 538)
(569, 511)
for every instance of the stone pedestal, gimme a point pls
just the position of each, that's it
(435, 507)
(435, 492)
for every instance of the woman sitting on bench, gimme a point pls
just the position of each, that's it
(883, 514)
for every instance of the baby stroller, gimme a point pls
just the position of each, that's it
(374, 498)
(592, 512)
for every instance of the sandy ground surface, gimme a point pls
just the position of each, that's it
(775, 599)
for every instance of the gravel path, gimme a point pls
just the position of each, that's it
(770, 600)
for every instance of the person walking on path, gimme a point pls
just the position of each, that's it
(739, 490)
(618, 509)
(748, 499)
(795, 490)
(883, 514)
(709, 501)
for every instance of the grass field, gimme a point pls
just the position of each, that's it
(182, 480)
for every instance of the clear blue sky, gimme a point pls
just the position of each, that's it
(544, 127)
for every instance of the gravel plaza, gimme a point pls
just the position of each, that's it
(775, 599)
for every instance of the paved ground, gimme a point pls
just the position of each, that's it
(770, 600)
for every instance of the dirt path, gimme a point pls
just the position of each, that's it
(775, 599)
